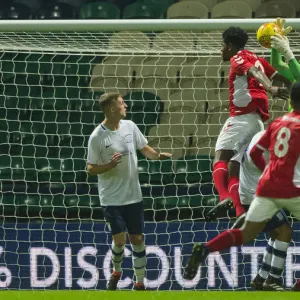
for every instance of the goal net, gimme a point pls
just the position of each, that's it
(175, 85)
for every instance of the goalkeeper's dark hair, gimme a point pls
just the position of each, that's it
(295, 94)
(236, 36)
(107, 99)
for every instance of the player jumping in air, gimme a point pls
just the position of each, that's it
(249, 80)
(268, 277)
(112, 156)
(278, 188)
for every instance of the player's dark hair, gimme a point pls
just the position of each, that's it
(236, 36)
(107, 99)
(295, 94)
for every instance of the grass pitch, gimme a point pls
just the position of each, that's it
(147, 295)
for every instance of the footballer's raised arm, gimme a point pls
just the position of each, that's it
(281, 67)
(280, 92)
(260, 77)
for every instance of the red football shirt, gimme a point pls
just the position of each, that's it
(246, 94)
(281, 178)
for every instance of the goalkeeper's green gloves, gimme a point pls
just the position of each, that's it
(281, 44)
(280, 23)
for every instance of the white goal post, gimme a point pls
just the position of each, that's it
(170, 74)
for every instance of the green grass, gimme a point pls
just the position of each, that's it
(153, 295)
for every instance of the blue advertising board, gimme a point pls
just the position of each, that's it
(53, 255)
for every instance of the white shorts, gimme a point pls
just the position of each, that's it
(262, 209)
(237, 133)
(246, 196)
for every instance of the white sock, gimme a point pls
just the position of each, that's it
(266, 262)
(139, 262)
(117, 256)
(278, 258)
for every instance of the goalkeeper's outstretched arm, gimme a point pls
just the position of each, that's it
(281, 44)
(284, 69)
(281, 67)
(295, 68)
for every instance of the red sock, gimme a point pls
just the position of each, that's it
(225, 240)
(220, 175)
(233, 187)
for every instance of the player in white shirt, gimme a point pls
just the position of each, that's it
(280, 231)
(249, 173)
(112, 156)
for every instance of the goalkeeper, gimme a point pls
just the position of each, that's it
(290, 69)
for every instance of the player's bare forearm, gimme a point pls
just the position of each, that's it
(150, 153)
(98, 169)
(280, 92)
(94, 169)
(260, 77)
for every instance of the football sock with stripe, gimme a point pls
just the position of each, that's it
(139, 262)
(117, 257)
(278, 258)
(267, 259)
